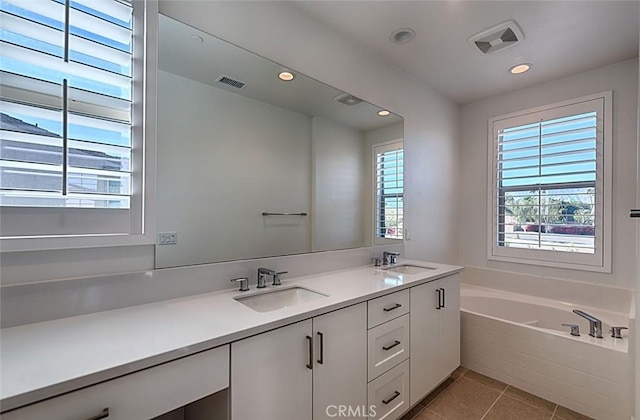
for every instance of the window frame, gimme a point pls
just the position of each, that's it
(390, 145)
(143, 151)
(600, 261)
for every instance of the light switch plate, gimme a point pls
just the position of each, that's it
(167, 238)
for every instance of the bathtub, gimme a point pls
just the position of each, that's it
(520, 340)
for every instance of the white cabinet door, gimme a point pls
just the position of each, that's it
(270, 375)
(340, 366)
(424, 340)
(449, 327)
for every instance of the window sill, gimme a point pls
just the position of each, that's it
(547, 263)
(45, 243)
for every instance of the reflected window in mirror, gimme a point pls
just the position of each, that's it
(389, 192)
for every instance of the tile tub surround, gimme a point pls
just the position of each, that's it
(46, 359)
(582, 374)
(22, 304)
(469, 395)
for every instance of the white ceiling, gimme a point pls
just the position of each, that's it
(561, 38)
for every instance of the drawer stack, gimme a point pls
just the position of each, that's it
(388, 355)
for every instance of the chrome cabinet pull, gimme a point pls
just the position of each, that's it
(310, 344)
(392, 307)
(103, 415)
(388, 400)
(438, 293)
(387, 348)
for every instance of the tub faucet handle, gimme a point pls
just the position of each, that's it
(616, 332)
(575, 329)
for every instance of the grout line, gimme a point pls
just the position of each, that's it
(554, 412)
(527, 402)
(494, 403)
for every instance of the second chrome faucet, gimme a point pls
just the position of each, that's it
(595, 325)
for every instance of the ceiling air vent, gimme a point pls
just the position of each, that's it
(228, 81)
(348, 99)
(497, 38)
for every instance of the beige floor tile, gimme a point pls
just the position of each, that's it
(466, 399)
(427, 414)
(459, 372)
(507, 408)
(566, 414)
(530, 398)
(436, 392)
(485, 380)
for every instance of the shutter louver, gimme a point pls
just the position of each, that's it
(86, 163)
(546, 184)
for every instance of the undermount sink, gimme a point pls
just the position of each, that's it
(273, 299)
(408, 269)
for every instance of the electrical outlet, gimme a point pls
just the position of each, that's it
(167, 238)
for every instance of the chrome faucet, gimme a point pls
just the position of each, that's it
(595, 325)
(389, 257)
(262, 277)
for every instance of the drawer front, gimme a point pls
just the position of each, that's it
(388, 345)
(388, 307)
(141, 395)
(389, 394)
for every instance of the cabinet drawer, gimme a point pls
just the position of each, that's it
(389, 394)
(141, 395)
(388, 345)
(388, 307)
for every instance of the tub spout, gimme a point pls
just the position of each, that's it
(595, 325)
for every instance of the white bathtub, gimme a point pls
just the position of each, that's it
(520, 340)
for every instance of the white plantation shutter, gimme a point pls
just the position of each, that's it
(66, 130)
(548, 191)
(389, 190)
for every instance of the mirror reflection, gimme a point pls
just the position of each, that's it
(257, 160)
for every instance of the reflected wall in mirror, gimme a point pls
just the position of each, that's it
(235, 141)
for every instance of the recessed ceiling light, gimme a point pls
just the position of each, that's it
(520, 68)
(383, 113)
(402, 36)
(286, 76)
(197, 39)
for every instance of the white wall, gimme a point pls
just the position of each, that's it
(219, 157)
(337, 186)
(622, 78)
(285, 34)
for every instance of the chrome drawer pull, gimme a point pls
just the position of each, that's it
(103, 415)
(388, 400)
(387, 348)
(391, 308)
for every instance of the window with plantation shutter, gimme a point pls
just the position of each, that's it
(389, 192)
(549, 196)
(70, 117)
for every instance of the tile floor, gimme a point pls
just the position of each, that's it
(470, 395)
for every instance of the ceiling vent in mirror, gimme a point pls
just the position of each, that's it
(497, 38)
(348, 99)
(228, 81)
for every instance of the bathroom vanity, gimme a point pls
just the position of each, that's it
(376, 342)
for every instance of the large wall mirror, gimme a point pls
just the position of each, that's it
(251, 166)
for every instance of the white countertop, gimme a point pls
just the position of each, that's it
(45, 359)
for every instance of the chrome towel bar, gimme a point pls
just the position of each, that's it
(266, 213)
